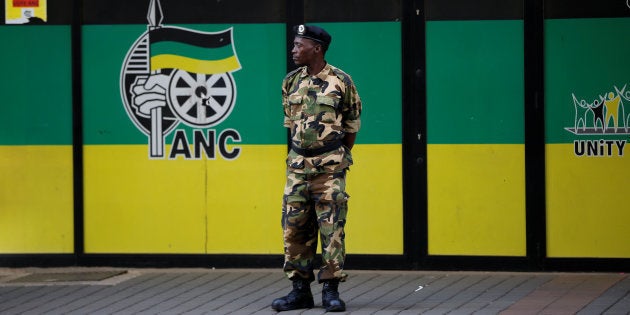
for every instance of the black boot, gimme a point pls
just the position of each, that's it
(299, 297)
(330, 297)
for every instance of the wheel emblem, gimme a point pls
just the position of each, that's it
(201, 100)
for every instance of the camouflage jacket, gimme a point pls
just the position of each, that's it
(319, 110)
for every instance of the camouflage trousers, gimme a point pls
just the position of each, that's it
(312, 203)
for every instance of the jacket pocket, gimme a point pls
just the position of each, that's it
(295, 107)
(327, 107)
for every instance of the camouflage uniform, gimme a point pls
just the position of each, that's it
(319, 110)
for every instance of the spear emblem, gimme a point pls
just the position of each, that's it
(155, 16)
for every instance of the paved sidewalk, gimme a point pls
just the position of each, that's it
(209, 291)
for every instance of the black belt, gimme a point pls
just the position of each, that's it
(318, 151)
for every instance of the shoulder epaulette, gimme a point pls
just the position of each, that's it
(345, 78)
(292, 73)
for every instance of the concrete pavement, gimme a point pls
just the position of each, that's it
(250, 291)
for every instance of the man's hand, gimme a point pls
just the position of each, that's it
(348, 140)
(149, 93)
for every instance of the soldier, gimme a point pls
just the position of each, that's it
(322, 111)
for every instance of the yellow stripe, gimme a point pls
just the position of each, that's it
(137, 205)
(229, 64)
(36, 207)
(375, 215)
(476, 200)
(587, 204)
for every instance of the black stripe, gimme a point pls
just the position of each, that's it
(241, 11)
(60, 12)
(415, 223)
(474, 10)
(352, 10)
(535, 180)
(185, 12)
(562, 9)
(269, 11)
(77, 128)
(166, 34)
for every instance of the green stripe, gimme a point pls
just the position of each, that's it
(190, 51)
(35, 85)
(475, 82)
(371, 53)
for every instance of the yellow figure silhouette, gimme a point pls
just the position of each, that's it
(612, 109)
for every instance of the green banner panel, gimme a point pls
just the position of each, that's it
(256, 112)
(475, 82)
(587, 79)
(35, 84)
(376, 71)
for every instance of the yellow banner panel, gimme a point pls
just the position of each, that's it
(244, 198)
(476, 199)
(588, 210)
(248, 201)
(36, 207)
(137, 205)
(375, 210)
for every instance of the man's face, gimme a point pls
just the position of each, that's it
(304, 51)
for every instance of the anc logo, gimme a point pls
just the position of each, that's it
(174, 75)
(605, 116)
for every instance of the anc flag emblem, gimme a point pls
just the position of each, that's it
(172, 75)
(195, 52)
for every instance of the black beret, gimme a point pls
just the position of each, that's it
(313, 32)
